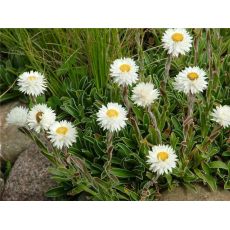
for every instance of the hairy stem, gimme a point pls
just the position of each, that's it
(165, 81)
(191, 100)
(139, 40)
(167, 69)
(109, 143)
(126, 99)
(213, 135)
(154, 123)
(144, 192)
(131, 118)
(195, 50)
(33, 99)
(209, 60)
(188, 121)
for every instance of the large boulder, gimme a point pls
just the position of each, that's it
(12, 141)
(202, 194)
(29, 178)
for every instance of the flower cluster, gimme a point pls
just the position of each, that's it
(113, 117)
(162, 158)
(192, 80)
(41, 118)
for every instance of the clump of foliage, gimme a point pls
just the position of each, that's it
(76, 63)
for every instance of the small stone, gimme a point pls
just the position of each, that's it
(12, 141)
(29, 178)
(202, 194)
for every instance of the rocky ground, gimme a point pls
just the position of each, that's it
(29, 178)
(202, 194)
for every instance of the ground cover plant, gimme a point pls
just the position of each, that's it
(122, 114)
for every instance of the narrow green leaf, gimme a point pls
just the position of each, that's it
(218, 165)
(123, 173)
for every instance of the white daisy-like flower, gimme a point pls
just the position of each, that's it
(124, 71)
(144, 94)
(162, 159)
(177, 41)
(32, 83)
(62, 134)
(17, 116)
(112, 117)
(41, 117)
(221, 115)
(191, 79)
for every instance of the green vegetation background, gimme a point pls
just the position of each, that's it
(76, 63)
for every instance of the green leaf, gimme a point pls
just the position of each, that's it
(124, 149)
(173, 140)
(226, 154)
(56, 192)
(81, 188)
(138, 112)
(41, 99)
(218, 165)
(227, 184)
(146, 120)
(207, 179)
(123, 173)
(169, 179)
(53, 102)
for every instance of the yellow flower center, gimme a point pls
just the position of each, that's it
(112, 113)
(192, 76)
(32, 78)
(177, 37)
(62, 130)
(125, 68)
(162, 156)
(39, 116)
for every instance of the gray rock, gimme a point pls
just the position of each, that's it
(12, 141)
(202, 194)
(29, 178)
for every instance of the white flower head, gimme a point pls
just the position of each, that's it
(124, 71)
(191, 79)
(144, 94)
(32, 83)
(17, 116)
(112, 117)
(41, 117)
(177, 41)
(62, 134)
(221, 115)
(162, 159)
